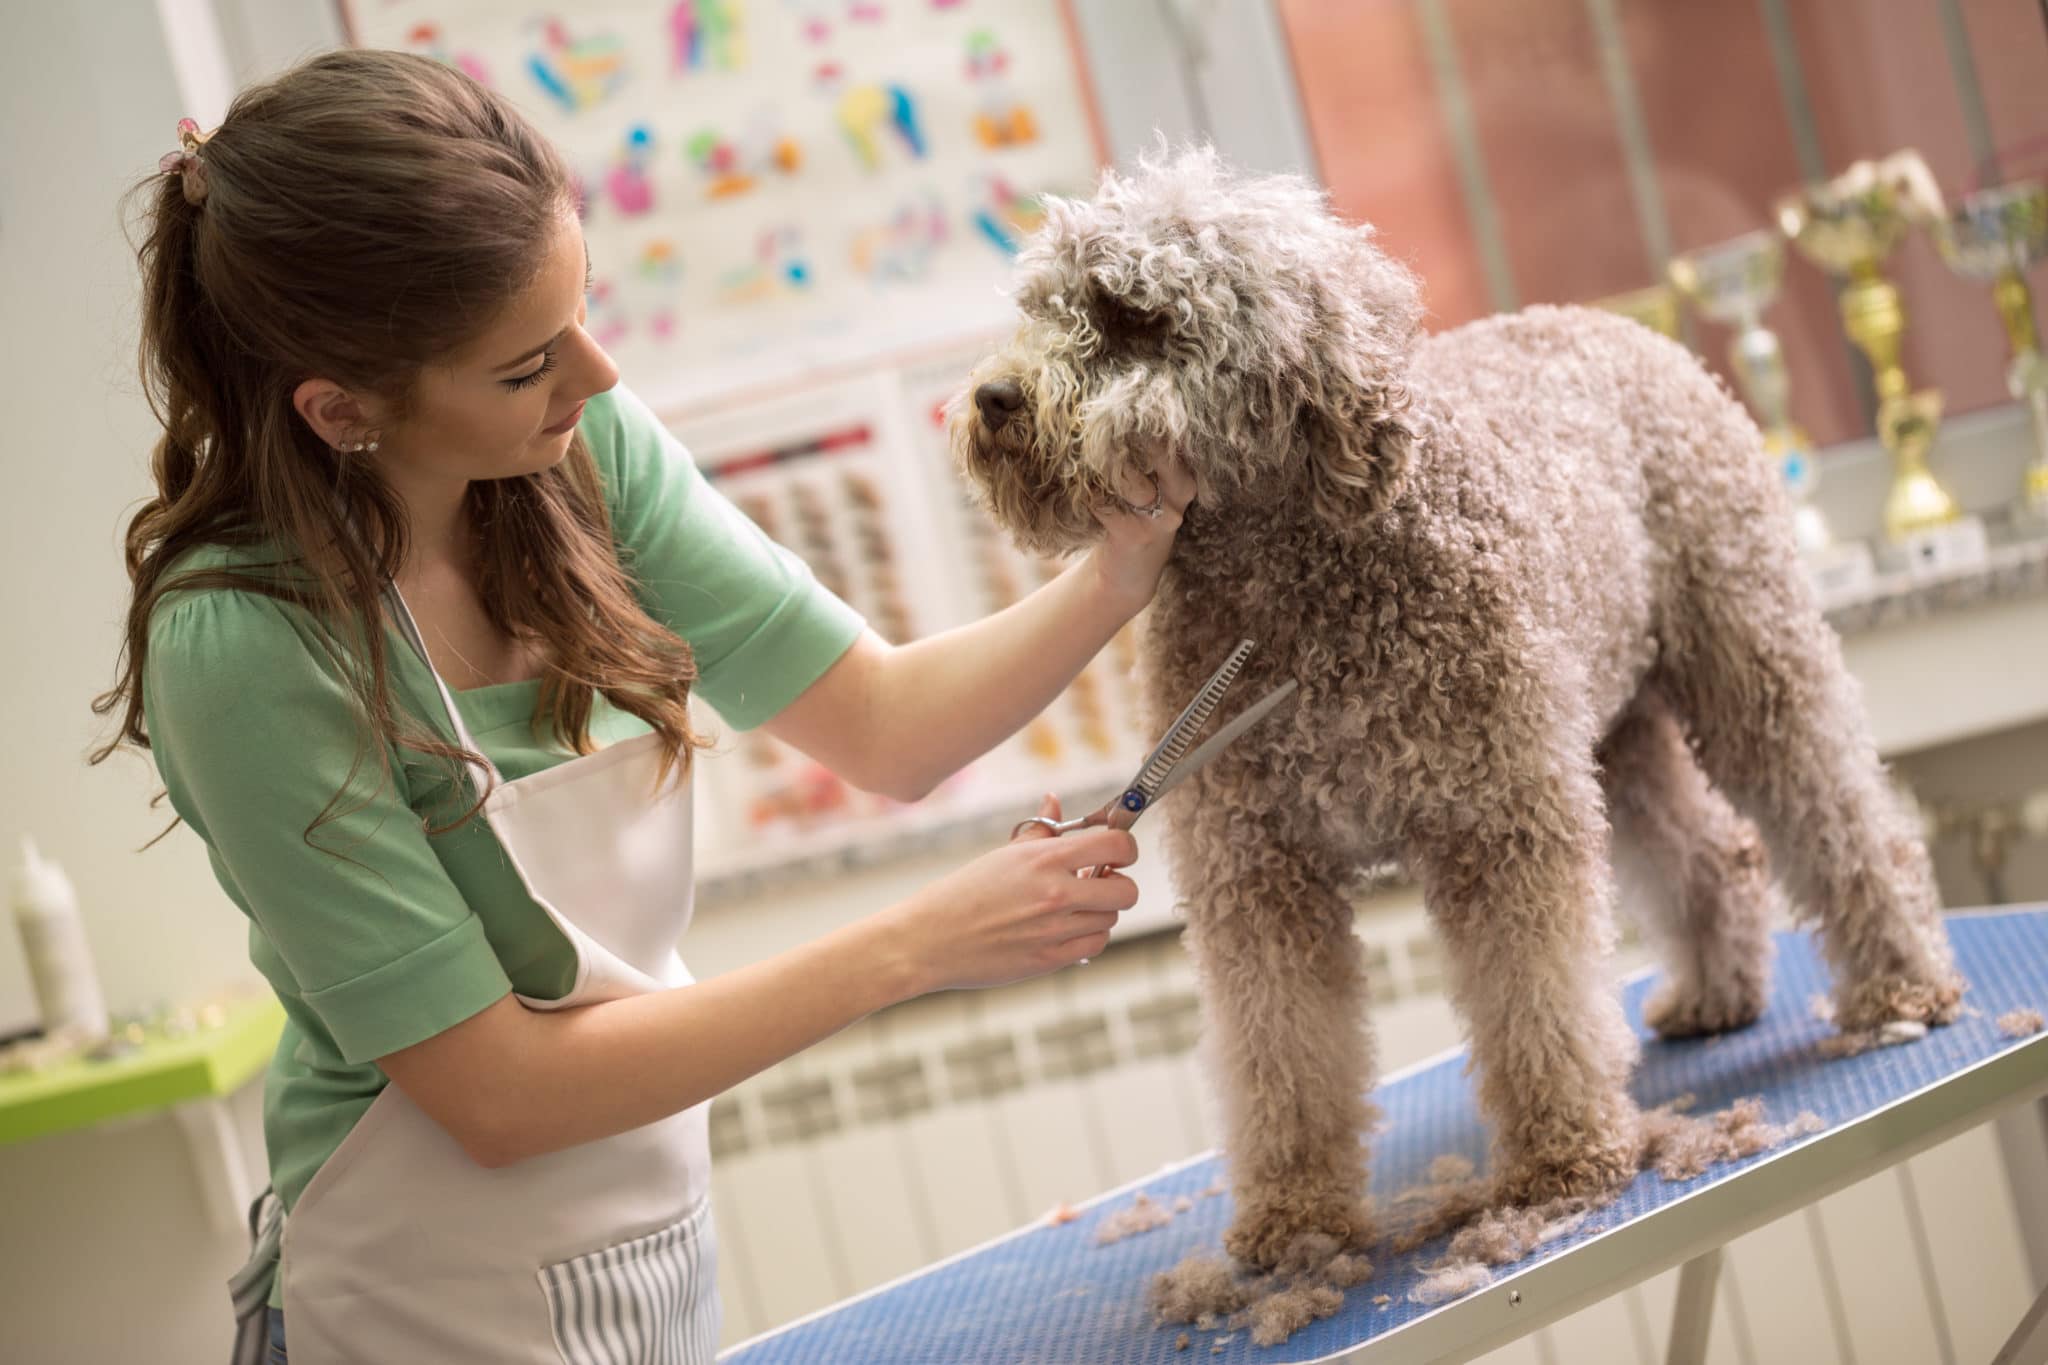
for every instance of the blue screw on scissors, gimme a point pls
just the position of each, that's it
(1170, 764)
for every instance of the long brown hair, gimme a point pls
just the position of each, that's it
(364, 214)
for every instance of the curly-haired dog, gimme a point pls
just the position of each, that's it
(1535, 579)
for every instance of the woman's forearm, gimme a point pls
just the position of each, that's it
(949, 698)
(598, 1070)
(511, 1083)
(900, 720)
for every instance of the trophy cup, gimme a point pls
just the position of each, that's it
(1655, 306)
(1848, 226)
(1995, 235)
(1733, 282)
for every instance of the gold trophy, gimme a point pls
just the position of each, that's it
(1655, 306)
(1733, 282)
(1995, 235)
(1848, 226)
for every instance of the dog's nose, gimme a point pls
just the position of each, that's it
(997, 399)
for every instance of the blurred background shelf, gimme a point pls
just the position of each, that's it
(191, 1076)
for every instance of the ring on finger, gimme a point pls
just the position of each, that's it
(1151, 509)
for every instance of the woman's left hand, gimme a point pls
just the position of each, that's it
(1135, 546)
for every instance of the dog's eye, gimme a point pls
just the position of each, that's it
(1120, 321)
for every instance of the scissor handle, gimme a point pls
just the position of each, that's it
(1049, 825)
(1056, 828)
(1118, 814)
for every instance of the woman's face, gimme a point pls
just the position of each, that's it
(507, 404)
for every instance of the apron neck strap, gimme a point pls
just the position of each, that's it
(483, 772)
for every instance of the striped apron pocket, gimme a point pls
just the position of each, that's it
(649, 1301)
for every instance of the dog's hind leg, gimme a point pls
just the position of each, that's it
(1692, 870)
(1516, 878)
(1757, 676)
(1283, 994)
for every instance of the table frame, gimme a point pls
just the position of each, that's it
(1690, 1232)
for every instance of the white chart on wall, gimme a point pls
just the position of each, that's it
(779, 187)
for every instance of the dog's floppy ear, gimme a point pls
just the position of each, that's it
(1051, 273)
(1354, 417)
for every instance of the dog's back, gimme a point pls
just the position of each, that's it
(1597, 452)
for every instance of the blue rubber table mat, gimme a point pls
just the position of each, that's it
(1050, 1294)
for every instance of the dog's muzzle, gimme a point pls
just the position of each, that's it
(996, 400)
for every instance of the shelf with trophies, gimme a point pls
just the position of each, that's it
(1996, 235)
(1848, 226)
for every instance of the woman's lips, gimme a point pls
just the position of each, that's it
(558, 428)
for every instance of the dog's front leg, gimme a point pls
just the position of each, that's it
(1283, 993)
(1522, 893)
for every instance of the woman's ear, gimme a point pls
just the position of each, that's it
(331, 412)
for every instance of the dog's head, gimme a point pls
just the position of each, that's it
(1231, 319)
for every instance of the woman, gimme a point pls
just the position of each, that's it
(418, 607)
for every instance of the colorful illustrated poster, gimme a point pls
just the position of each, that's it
(774, 188)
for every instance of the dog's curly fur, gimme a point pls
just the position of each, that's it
(1536, 580)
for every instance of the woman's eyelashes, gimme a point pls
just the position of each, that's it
(533, 376)
(547, 357)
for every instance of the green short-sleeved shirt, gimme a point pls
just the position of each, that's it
(403, 934)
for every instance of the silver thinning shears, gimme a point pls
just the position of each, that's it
(1169, 765)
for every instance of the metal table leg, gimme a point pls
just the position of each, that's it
(2023, 1143)
(216, 1150)
(1693, 1314)
(2028, 1344)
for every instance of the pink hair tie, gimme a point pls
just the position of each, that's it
(185, 163)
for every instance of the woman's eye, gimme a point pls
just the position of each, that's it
(534, 376)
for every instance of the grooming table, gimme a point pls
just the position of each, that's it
(1048, 1293)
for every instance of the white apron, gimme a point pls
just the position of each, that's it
(404, 1249)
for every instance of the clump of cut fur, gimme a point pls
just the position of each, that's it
(1308, 1284)
(1142, 1214)
(2020, 1023)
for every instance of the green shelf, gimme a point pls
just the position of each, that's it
(208, 1064)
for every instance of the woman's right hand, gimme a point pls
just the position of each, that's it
(1019, 911)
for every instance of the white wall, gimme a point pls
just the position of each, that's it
(1194, 69)
(88, 96)
(102, 1248)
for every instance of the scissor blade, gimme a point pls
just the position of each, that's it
(1218, 742)
(1189, 723)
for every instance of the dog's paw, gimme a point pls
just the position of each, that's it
(1280, 1235)
(1868, 1005)
(1688, 1009)
(1589, 1168)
